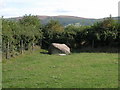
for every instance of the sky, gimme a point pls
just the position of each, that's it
(81, 8)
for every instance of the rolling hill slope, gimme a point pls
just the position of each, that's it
(65, 20)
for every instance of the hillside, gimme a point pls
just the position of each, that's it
(65, 20)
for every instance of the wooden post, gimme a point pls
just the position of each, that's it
(40, 43)
(7, 50)
(32, 46)
(21, 46)
(93, 43)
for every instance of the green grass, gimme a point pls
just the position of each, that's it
(78, 70)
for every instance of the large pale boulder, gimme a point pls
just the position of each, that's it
(56, 48)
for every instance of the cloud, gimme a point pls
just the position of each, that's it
(20, 1)
(62, 11)
(82, 8)
(1, 4)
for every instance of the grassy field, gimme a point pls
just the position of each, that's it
(78, 70)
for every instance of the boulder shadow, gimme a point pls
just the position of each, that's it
(44, 52)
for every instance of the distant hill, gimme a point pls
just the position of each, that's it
(66, 20)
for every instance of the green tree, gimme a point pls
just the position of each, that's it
(103, 32)
(31, 26)
(52, 32)
(6, 37)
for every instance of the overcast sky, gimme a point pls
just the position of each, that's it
(81, 8)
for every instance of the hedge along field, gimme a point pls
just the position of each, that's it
(78, 70)
(23, 34)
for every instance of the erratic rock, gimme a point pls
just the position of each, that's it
(56, 48)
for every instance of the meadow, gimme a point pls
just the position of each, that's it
(78, 70)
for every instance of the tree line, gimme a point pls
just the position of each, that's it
(26, 33)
